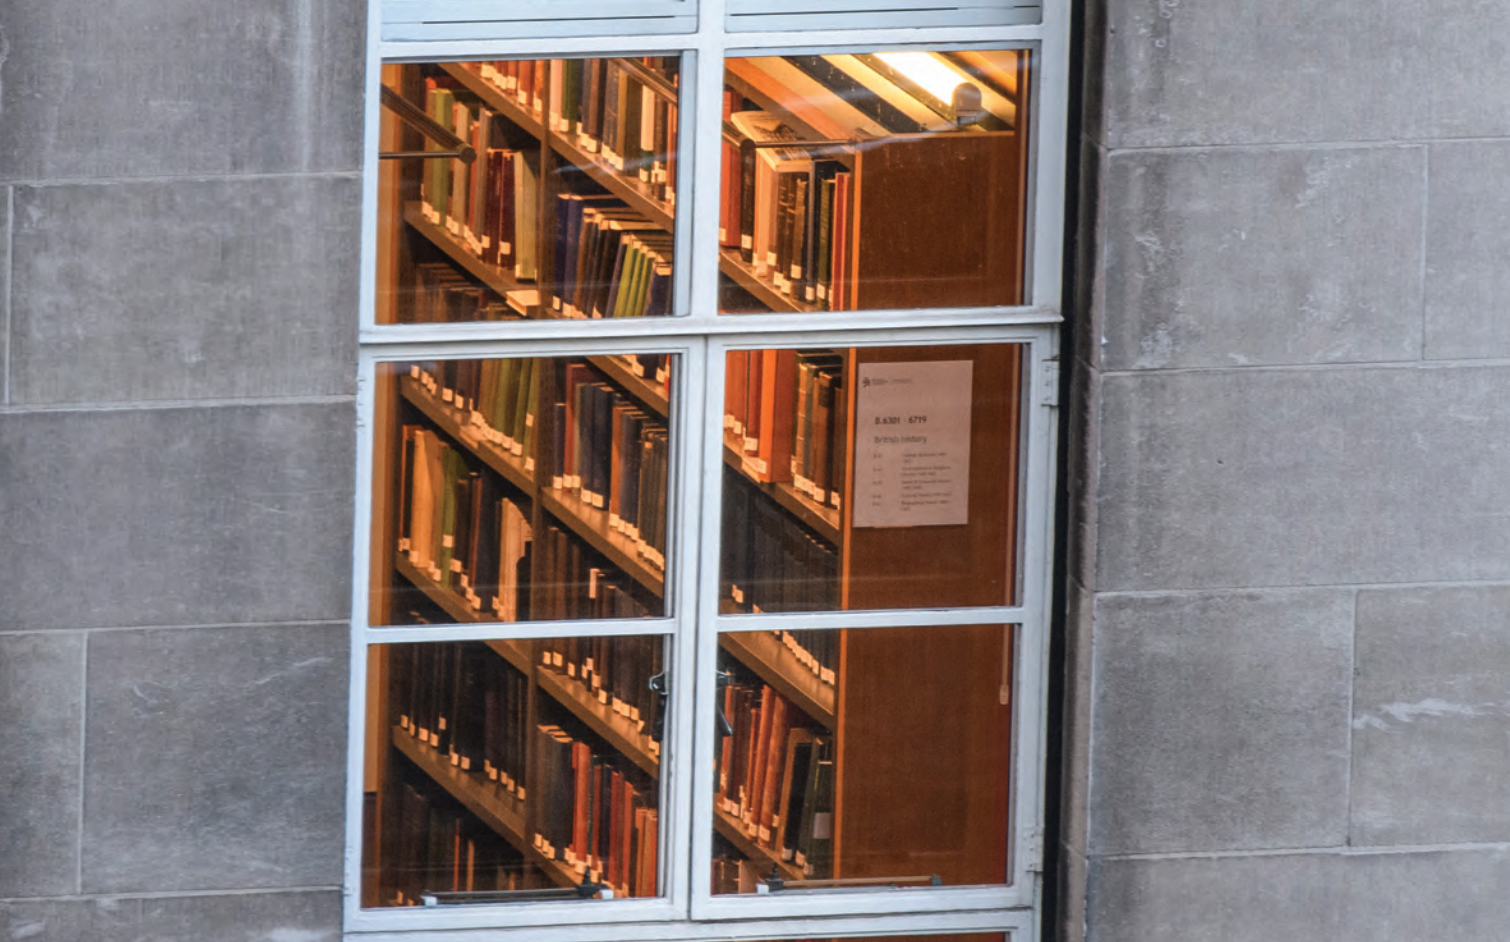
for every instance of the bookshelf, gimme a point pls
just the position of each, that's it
(536, 489)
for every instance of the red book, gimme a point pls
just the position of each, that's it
(778, 391)
(841, 293)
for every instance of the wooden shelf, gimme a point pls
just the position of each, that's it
(762, 653)
(499, 280)
(516, 653)
(764, 857)
(496, 807)
(649, 394)
(453, 604)
(453, 422)
(591, 525)
(620, 732)
(763, 289)
(638, 195)
(824, 521)
(495, 97)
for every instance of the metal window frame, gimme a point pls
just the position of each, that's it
(698, 336)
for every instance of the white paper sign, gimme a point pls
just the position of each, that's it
(912, 444)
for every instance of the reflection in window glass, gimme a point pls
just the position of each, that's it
(870, 478)
(511, 769)
(527, 188)
(521, 490)
(861, 181)
(876, 755)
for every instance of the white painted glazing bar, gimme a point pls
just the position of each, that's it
(889, 618)
(1018, 923)
(671, 327)
(523, 631)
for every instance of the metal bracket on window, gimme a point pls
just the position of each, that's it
(416, 118)
(662, 686)
(583, 890)
(775, 883)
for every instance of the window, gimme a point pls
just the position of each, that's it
(706, 454)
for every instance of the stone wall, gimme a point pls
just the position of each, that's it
(1287, 695)
(179, 241)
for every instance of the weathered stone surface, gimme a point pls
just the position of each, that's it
(1431, 716)
(215, 758)
(190, 289)
(1271, 256)
(1304, 477)
(1337, 897)
(1231, 72)
(1220, 721)
(176, 516)
(1467, 243)
(179, 87)
(41, 730)
(253, 917)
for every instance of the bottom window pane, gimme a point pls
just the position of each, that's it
(510, 769)
(872, 756)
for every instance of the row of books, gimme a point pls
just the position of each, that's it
(776, 777)
(593, 815)
(497, 397)
(610, 260)
(492, 204)
(614, 670)
(467, 703)
(770, 561)
(606, 107)
(458, 529)
(786, 414)
(613, 456)
(436, 846)
(441, 294)
(787, 210)
(574, 582)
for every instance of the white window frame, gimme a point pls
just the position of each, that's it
(698, 336)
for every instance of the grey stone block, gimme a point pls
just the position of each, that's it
(185, 290)
(1406, 897)
(179, 87)
(176, 516)
(1224, 899)
(1252, 257)
(1431, 716)
(41, 701)
(1467, 243)
(1304, 477)
(1232, 72)
(252, 917)
(1221, 721)
(215, 758)
(1464, 43)
(1398, 897)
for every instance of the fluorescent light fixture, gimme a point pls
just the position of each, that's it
(928, 73)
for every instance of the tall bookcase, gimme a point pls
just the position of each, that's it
(873, 696)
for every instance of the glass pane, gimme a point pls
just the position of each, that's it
(871, 478)
(529, 188)
(514, 766)
(969, 937)
(861, 181)
(521, 489)
(877, 756)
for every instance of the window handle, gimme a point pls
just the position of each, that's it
(583, 890)
(661, 684)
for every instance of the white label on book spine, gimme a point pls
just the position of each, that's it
(912, 444)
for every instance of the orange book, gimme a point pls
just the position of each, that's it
(778, 392)
(626, 837)
(581, 760)
(757, 772)
(775, 753)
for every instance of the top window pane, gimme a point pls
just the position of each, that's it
(865, 181)
(527, 189)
